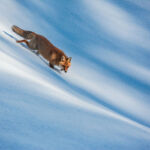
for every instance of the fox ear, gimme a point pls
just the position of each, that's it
(63, 58)
(69, 59)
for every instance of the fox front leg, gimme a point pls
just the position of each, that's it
(51, 66)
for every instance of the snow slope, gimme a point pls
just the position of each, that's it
(102, 102)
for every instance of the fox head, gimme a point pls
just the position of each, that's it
(65, 63)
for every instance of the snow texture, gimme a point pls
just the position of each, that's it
(103, 102)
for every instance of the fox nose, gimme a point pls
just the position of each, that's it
(65, 71)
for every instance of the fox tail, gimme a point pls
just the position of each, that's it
(25, 34)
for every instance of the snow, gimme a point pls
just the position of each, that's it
(103, 100)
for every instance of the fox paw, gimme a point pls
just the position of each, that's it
(37, 53)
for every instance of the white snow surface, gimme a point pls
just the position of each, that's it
(102, 103)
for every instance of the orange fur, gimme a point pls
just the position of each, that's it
(54, 55)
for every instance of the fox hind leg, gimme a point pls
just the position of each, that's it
(37, 52)
(31, 44)
(23, 41)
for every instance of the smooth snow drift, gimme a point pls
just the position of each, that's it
(102, 102)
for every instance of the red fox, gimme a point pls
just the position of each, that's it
(54, 55)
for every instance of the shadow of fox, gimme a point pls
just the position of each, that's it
(54, 55)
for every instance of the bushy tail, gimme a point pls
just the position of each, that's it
(23, 33)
